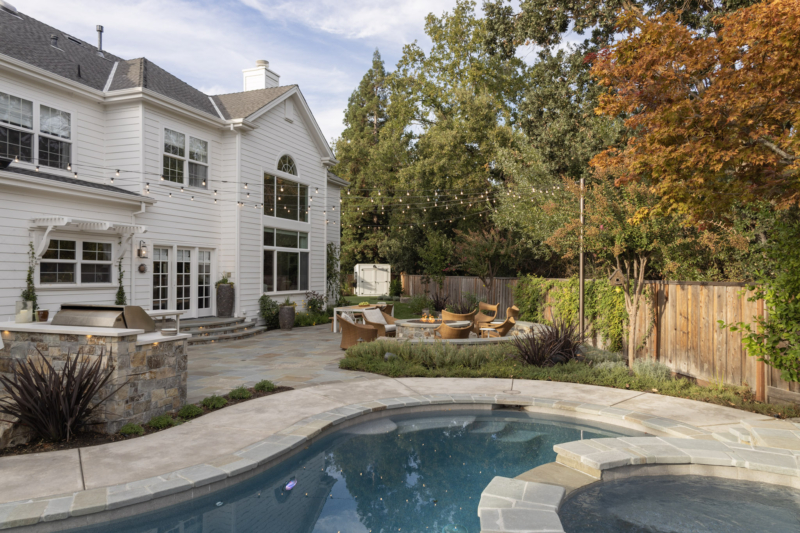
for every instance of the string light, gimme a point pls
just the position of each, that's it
(117, 173)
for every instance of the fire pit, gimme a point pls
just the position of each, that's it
(417, 328)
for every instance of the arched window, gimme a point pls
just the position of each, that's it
(286, 164)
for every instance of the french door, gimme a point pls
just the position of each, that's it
(182, 280)
(161, 277)
(204, 283)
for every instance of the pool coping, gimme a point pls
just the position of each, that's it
(58, 512)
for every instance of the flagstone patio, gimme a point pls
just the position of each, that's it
(298, 358)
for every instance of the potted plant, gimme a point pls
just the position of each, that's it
(226, 297)
(286, 314)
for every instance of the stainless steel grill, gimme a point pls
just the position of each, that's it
(104, 316)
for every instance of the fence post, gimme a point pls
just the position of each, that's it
(761, 385)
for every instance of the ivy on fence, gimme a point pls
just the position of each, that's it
(604, 305)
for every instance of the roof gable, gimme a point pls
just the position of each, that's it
(244, 104)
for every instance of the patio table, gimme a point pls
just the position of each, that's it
(352, 309)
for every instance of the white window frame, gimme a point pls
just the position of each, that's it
(78, 261)
(275, 249)
(288, 177)
(186, 160)
(37, 133)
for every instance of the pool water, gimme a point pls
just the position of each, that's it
(683, 504)
(411, 473)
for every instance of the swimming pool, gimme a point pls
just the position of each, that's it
(410, 473)
(682, 504)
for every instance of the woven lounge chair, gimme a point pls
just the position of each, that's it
(382, 322)
(512, 312)
(482, 319)
(387, 309)
(447, 332)
(351, 332)
(447, 315)
(498, 331)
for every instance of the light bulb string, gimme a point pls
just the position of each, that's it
(423, 224)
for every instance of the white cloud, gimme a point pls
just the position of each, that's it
(323, 46)
(389, 21)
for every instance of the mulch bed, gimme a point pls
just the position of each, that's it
(93, 438)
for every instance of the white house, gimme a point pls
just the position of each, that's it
(111, 159)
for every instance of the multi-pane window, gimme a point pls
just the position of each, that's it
(16, 139)
(204, 280)
(285, 264)
(67, 261)
(54, 126)
(176, 159)
(285, 199)
(19, 141)
(183, 285)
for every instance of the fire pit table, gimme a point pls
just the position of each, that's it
(416, 328)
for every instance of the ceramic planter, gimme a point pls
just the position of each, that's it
(226, 297)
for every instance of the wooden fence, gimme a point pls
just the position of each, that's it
(679, 325)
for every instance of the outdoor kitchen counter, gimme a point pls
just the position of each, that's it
(48, 328)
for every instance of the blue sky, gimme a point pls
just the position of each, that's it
(324, 46)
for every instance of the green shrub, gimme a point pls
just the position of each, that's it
(214, 402)
(264, 385)
(310, 319)
(162, 422)
(652, 369)
(395, 287)
(596, 355)
(268, 310)
(240, 393)
(610, 366)
(190, 411)
(418, 303)
(130, 429)
(315, 303)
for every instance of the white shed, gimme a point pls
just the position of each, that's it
(372, 279)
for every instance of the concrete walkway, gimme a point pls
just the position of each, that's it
(224, 432)
(298, 358)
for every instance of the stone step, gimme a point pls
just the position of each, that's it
(194, 324)
(227, 337)
(221, 330)
(741, 434)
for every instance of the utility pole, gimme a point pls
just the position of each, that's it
(580, 296)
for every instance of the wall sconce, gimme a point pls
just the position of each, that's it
(142, 251)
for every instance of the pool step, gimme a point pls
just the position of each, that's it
(442, 422)
(488, 427)
(520, 435)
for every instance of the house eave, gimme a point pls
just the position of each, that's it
(146, 95)
(38, 184)
(39, 74)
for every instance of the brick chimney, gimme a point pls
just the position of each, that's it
(260, 77)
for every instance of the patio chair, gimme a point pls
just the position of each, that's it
(447, 332)
(512, 312)
(498, 331)
(382, 322)
(447, 315)
(351, 332)
(387, 309)
(483, 319)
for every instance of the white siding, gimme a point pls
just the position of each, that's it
(129, 136)
(261, 149)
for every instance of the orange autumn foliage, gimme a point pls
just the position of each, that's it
(710, 119)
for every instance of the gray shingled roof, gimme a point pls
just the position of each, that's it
(28, 40)
(144, 73)
(72, 181)
(244, 104)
